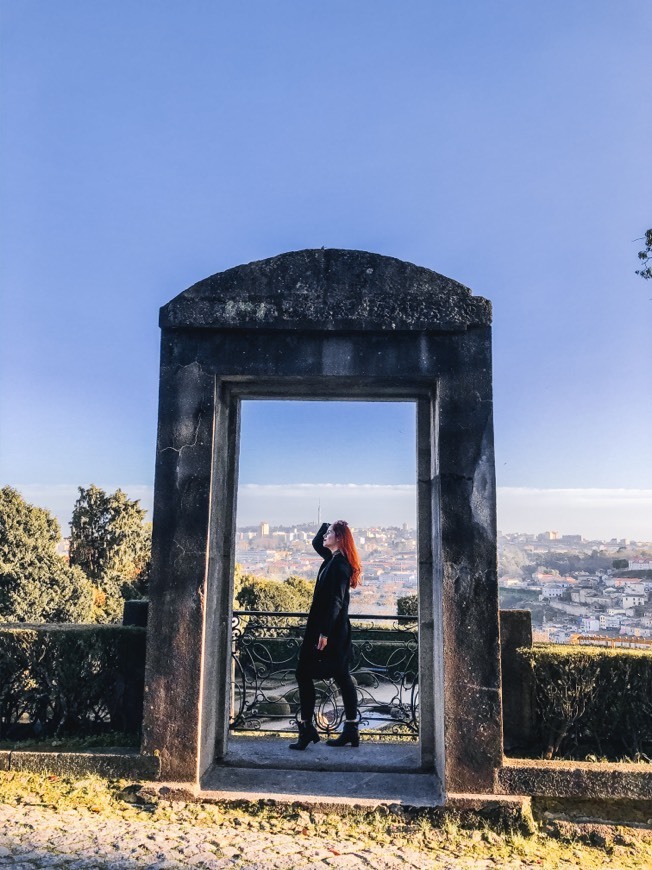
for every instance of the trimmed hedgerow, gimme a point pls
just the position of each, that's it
(592, 701)
(70, 679)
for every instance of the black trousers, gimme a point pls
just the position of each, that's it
(305, 680)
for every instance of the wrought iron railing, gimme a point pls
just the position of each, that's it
(264, 694)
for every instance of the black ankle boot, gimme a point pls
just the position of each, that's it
(307, 734)
(349, 735)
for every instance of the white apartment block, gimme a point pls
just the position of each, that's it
(552, 591)
(633, 601)
(609, 621)
(636, 588)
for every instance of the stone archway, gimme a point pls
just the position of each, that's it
(325, 324)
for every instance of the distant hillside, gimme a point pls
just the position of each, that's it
(526, 599)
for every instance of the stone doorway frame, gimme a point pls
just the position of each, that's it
(223, 511)
(253, 394)
(251, 333)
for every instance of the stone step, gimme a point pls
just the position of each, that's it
(321, 789)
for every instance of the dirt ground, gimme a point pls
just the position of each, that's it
(48, 821)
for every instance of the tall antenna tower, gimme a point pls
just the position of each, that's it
(319, 512)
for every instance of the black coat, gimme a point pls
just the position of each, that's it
(329, 615)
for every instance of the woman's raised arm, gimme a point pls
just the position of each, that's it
(318, 542)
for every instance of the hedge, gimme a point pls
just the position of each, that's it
(70, 679)
(592, 701)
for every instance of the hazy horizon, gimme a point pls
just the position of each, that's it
(596, 514)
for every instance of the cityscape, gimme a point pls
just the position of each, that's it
(572, 586)
(389, 557)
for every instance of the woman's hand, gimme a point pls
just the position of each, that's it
(321, 643)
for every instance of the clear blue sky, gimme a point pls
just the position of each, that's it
(146, 145)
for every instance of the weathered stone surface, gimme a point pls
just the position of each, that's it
(4, 760)
(328, 289)
(574, 779)
(325, 325)
(172, 701)
(327, 790)
(124, 764)
(467, 559)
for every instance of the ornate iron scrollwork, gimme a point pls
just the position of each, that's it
(264, 694)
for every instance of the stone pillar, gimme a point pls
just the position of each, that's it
(472, 700)
(518, 687)
(172, 708)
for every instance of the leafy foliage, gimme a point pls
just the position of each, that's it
(302, 590)
(592, 700)
(70, 679)
(407, 606)
(111, 543)
(273, 596)
(645, 256)
(36, 584)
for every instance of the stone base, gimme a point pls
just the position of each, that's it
(574, 779)
(354, 792)
(324, 790)
(109, 763)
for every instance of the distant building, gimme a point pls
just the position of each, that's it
(583, 596)
(552, 591)
(636, 588)
(640, 565)
(633, 601)
(263, 530)
(590, 623)
(610, 620)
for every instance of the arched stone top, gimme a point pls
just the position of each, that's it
(328, 289)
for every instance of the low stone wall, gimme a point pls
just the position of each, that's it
(574, 779)
(110, 763)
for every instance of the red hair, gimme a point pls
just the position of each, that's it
(346, 545)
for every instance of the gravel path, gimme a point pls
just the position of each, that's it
(35, 836)
(100, 831)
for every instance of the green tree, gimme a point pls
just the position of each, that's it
(258, 593)
(36, 583)
(645, 256)
(272, 596)
(620, 564)
(111, 543)
(407, 606)
(303, 590)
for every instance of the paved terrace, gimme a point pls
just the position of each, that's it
(370, 775)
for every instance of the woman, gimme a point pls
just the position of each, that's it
(326, 648)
